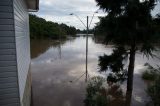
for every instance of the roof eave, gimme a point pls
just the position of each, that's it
(33, 5)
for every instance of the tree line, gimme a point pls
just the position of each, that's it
(40, 29)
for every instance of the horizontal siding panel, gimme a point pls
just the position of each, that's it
(8, 69)
(6, 33)
(20, 38)
(6, 21)
(7, 74)
(18, 28)
(6, 15)
(8, 96)
(7, 57)
(8, 90)
(7, 45)
(19, 7)
(7, 63)
(8, 80)
(6, 27)
(6, 9)
(19, 15)
(9, 101)
(18, 18)
(22, 42)
(12, 104)
(19, 24)
(7, 39)
(21, 33)
(8, 85)
(5, 2)
(7, 51)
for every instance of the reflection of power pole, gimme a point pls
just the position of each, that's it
(87, 52)
(59, 47)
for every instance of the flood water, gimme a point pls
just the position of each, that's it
(58, 72)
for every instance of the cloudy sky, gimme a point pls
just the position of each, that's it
(59, 10)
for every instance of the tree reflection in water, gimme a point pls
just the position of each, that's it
(101, 92)
(39, 46)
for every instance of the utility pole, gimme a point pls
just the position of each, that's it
(87, 51)
(87, 27)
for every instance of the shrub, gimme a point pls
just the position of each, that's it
(96, 93)
(99, 93)
(154, 92)
(149, 75)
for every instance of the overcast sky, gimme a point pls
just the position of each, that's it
(59, 10)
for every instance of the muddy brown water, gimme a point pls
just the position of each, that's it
(57, 66)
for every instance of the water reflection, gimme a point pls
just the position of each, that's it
(55, 69)
(39, 46)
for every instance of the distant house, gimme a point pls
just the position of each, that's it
(15, 83)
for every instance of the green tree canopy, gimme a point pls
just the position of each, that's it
(40, 28)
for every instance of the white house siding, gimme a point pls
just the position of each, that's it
(9, 91)
(21, 24)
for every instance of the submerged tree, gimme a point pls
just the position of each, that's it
(129, 26)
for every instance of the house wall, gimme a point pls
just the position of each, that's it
(14, 53)
(21, 21)
(9, 89)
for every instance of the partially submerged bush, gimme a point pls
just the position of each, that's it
(96, 95)
(151, 72)
(154, 92)
(149, 75)
(99, 93)
(153, 89)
